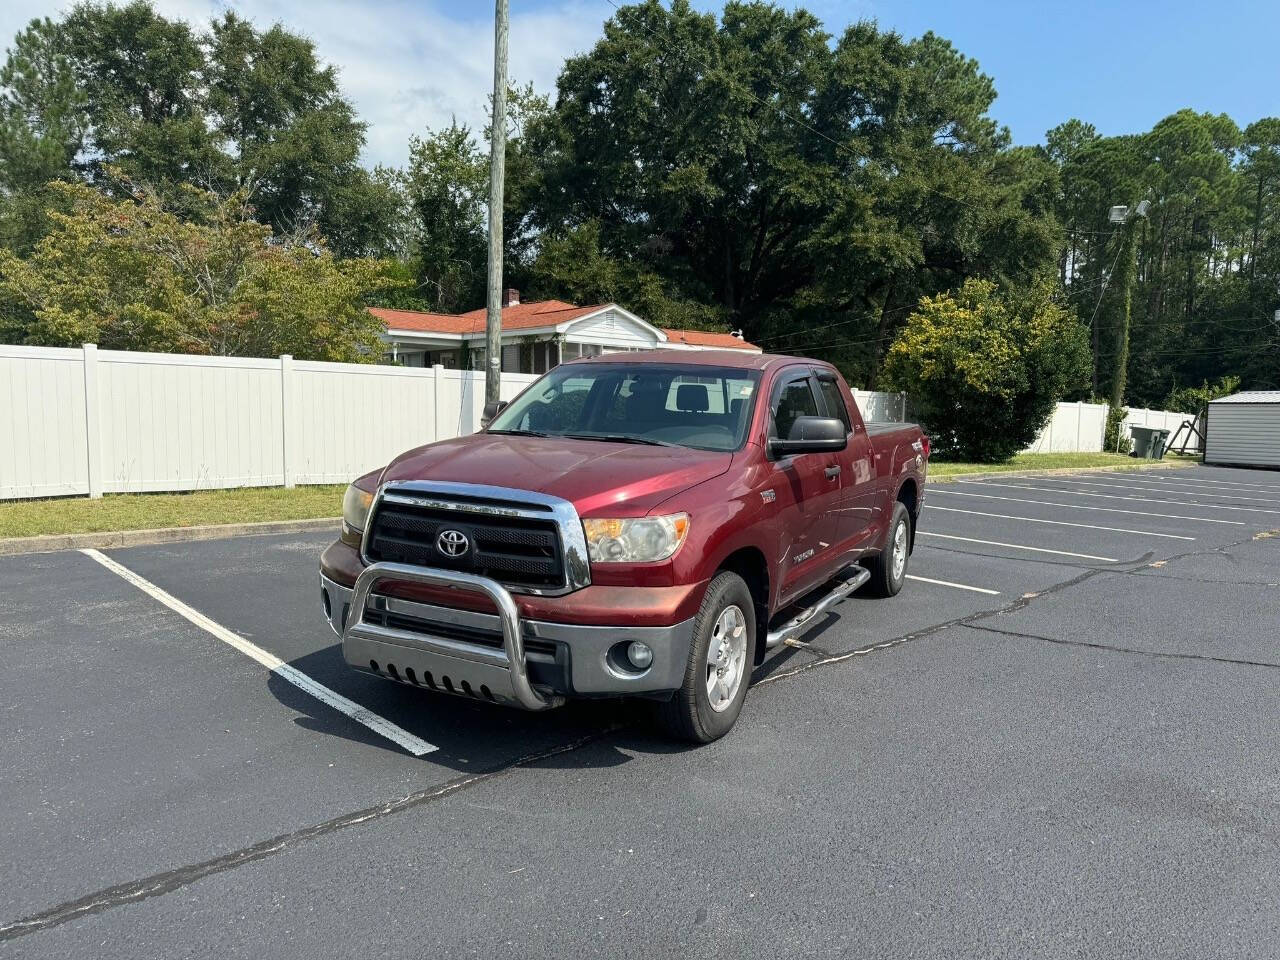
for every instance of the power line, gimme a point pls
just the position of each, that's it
(1110, 273)
(810, 331)
(840, 343)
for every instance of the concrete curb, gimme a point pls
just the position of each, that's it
(1065, 471)
(112, 539)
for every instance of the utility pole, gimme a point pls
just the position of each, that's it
(1129, 217)
(497, 172)
(1120, 377)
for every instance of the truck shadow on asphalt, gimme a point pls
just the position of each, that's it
(473, 737)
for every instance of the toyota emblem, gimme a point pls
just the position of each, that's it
(452, 543)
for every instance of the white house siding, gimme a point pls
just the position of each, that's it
(611, 330)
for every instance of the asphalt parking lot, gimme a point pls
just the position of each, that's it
(1060, 740)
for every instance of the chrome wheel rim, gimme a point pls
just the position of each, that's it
(899, 551)
(726, 657)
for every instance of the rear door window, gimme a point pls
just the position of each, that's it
(835, 401)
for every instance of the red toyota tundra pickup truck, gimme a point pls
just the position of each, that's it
(637, 524)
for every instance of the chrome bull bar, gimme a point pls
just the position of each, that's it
(510, 661)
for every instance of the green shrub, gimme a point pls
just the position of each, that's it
(984, 367)
(1193, 399)
(1111, 440)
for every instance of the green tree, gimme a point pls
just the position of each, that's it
(1193, 399)
(293, 139)
(141, 78)
(1205, 279)
(42, 119)
(809, 190)
(230, 109)
(571, 266)
(984, 368)
(447, 184)
(42, 129)
(132, 274)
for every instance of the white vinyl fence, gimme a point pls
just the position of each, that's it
(1073, 428)
(92, 421)
(881, 406)
(95, 421)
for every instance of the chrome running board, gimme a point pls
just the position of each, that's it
(806, 617)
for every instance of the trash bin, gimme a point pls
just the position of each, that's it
(1149, 442)
(1159, 440)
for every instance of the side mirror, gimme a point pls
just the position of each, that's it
(811, 435)
(491, 410)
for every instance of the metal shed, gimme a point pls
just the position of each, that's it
(1244, 429)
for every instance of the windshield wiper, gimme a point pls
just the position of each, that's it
(520, 433)
(620, 438)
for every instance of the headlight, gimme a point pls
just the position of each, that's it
(355, 509)
(636, 540)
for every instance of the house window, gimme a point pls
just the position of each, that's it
(572, 351)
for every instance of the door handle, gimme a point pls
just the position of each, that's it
(832, 472)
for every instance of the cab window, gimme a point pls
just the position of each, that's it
(794, 400)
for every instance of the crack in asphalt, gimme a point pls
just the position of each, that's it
(1116, 648)
(1010, 607)
(1143, 573)
(161, 883)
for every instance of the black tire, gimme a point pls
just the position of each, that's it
(689, 715)
(884, 582)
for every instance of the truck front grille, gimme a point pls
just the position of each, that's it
(517, 551)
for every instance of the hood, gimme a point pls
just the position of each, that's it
(598, 477)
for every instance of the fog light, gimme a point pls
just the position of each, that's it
(640, 655)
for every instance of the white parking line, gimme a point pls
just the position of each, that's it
(1117, 496)
(1189, 487)
(1078, 506)
(1058, 523)
(958, 586)
(1015, 546)
(1185, 493)
(1182, 478)
(379, 725)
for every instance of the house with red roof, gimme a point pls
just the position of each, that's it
(535, 336)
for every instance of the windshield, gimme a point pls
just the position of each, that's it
(706, 408)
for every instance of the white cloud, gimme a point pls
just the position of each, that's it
(406, 66)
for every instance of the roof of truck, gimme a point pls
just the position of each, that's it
(702, 358)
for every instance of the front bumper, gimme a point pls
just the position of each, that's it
(502, 657)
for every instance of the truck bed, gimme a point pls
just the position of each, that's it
(887, 428)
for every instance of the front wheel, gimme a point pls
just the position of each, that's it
(720, 661)
(889, 569)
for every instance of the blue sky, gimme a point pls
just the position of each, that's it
(414, 64)
(1121, 66)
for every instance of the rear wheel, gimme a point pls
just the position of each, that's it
(720, 660)
(889, 569)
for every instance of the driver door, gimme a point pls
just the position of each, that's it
(807, 490)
